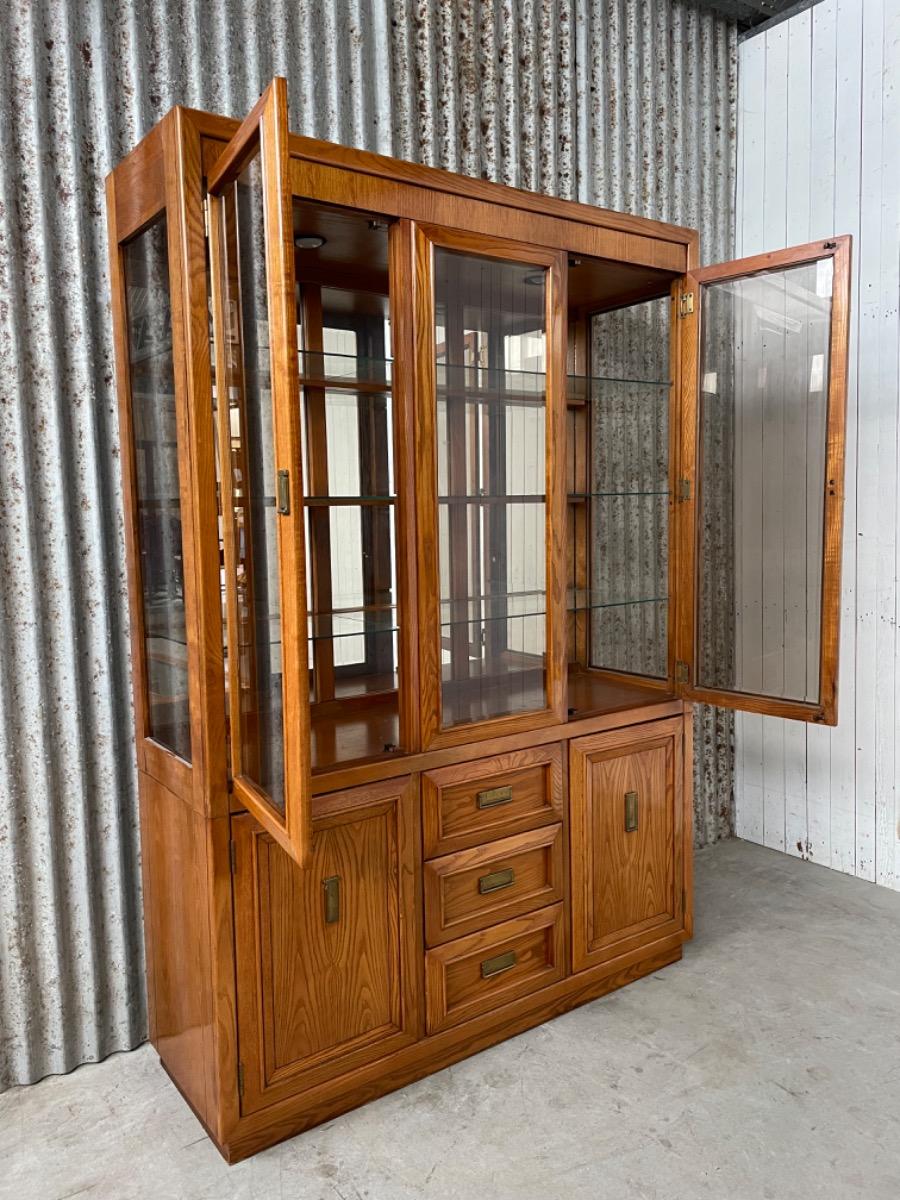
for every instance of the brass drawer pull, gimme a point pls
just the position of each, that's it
(494, 796)
(631, 812)
(497, 880)
(332, 889)
(501, 962)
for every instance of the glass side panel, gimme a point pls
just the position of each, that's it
(251, 460)
(491, 458)
(628, 500)
(344, 340)
(763, 374)
(158, 499)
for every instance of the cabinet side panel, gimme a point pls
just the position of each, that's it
(174, 849)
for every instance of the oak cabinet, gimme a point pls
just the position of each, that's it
(326, 956)
(628, 819)
(443, 502)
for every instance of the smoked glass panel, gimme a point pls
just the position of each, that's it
(764, 361)
(158, 500)
(491, 457)
(251, 460)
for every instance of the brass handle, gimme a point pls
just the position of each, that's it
(631, 812)
(284, 493)
(501, 962)
(497, 880)
(332, 889)
(494, 796)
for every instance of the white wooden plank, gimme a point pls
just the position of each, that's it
(749, 822)
(796, 633)
(771, 477)
(820, 206)
(868, 500)
(886, 393)
(846, 219)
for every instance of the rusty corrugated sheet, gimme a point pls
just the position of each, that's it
(627, 103)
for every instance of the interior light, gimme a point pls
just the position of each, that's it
(308, 241)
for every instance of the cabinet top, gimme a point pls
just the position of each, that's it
(215, 131)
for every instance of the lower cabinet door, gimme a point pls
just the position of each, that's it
(327, 959)
(628, 829)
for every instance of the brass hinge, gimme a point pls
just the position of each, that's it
(684, 489)
(682, 672)
(232, 857)
(206, 218)
(240, 1079)
(685, 304)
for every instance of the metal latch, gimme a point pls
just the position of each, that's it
(682, 673)
(685, 304)
(684, 489)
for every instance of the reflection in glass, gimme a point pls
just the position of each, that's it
(158, 500)
(763, 405)
(490, 349)
(251, 459)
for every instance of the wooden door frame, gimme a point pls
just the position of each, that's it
(556, 264)
(264, 131)
(825, 710)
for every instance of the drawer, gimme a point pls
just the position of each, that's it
(480, 972)
(474, 888)
(474, 802)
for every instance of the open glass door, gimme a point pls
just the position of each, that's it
(254, 317)
(764, 372)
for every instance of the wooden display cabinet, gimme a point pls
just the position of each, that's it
(443, 503)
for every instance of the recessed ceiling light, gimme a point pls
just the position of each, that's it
(536, 279)
(308, 241)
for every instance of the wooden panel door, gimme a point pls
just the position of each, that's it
(628, 840)
(327, 960)
(764, 381)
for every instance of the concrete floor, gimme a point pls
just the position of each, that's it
(765, 1066)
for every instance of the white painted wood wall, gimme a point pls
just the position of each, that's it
(819, 154)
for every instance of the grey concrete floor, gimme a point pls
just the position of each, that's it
(765, 1066)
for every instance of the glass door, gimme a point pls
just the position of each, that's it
(254, 316)
(491, 429)
(764, 354)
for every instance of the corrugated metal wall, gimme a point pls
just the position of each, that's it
(626, 103)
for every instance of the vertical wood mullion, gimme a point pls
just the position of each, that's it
(457, 485)
(321, 595)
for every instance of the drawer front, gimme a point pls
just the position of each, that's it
(485, 970)
(475, 802)
(475, 888)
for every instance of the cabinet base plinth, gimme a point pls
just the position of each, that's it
(290, 1117)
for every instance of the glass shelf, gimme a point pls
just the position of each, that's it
(623, 495)
(501, 385)
(344, 370)
(352, 623)
(517, 605)
(322, 501)
(486, 498)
